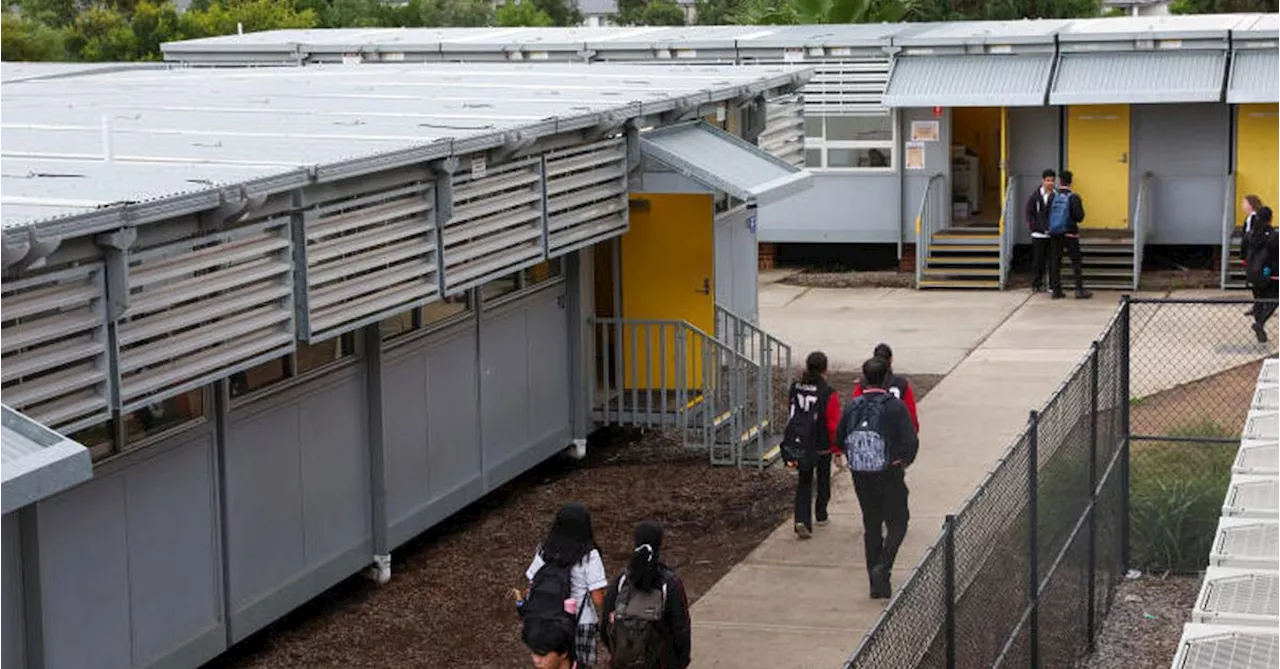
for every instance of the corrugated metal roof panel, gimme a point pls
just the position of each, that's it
(969, 81)
(724, 162)
(38, 462)
(1173, 26)
(1139, 77)
(1255, 77)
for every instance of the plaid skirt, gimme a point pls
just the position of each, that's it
(584, 646)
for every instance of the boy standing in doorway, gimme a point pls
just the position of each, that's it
(1037, 214)
(1066, 211)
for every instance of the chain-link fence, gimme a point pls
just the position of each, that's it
(1023, 574)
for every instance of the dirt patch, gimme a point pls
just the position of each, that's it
(1221, 400)
(879, 279)
(1145, 623)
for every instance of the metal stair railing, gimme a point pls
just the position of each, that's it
(1141, 226)
(669, 373)
(1007, 216)
(930, 212)
(1228, 230)
(771, 355)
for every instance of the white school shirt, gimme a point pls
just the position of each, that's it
(584, 577)
(1047, 197)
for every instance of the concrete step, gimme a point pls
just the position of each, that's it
(960, 283)
(964, 248)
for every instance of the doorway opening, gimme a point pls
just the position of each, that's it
(976, 155)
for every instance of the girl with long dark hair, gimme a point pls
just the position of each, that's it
(571, 544)
(646, 611)
(809, 441)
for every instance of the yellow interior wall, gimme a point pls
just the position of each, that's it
(1257, 149)
(668, 273)
(978, 128)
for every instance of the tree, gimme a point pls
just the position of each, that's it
(787, 12)
(1002, 10)
(515, 13)
(562, 12)
(662, 13)
(1224, 6)
(54, 13)
(23, 39)
(456, 13)
(152, 25)
(224, 18)
(715, 12)
(102, 34)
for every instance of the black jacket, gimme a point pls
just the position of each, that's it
(896, 428)
(1244, 238)
(1075, 207)
(1262, 252)
(677, 632)
(1037, 212)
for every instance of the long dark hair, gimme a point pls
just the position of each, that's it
(815, 367)
(644, 571)
(570, 538)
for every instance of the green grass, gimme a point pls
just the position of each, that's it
(1176, 493)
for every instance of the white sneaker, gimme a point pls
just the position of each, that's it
(802, 531)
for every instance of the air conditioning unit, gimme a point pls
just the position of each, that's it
(1270, 372)
(1262, 425)
(1227, 647)
(1238, 597)
(1252, 497)
(1266, 398)
(1259, 458)
(1246, 544)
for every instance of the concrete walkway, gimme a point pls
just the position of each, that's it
(805, 604)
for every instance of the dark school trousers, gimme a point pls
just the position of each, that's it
(883, 498)
(1039, 261)
(1057, 244)
(806, 505)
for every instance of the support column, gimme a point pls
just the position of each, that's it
(380, 571)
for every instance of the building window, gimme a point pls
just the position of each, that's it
(427, 316)
(308, 358)
(846, 141)
(548, 270)
(100, 439)
(163, 416)
(542, 272)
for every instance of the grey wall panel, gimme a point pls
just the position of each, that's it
(86, 601)
(524, 367)
(296, 484)
(841, 207)
(1034, 145)
(432, 434)
(13, 642)
(937, 160)
(1186, 147)
(737, 267)
(723, 243)
(129, 563)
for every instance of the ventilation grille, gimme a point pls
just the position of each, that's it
(783, 134)
(850, 87)
(1231, 596)
(496, 226)
(1252, 497)
(1231, 649)
(53, 346)
(586, 194)
(1246, 544)
(1258, 459)
(368, 257)
(204, 308)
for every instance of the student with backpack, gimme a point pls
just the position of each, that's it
(646, 610)
(879, 443)
(808, 442)
(1066, 211)
(551, 647)
(567, 584)
(898, 386)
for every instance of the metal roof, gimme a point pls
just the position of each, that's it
(82, 143)
(38, 462)
(1253, 77)
(1037, 31)
(721, 161)
(969, 80)
(1138, 77)
(1171, 26)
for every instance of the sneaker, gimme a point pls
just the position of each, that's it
(822, 522)
(880, 588)
(1058, 295)
(1261, 332)
(802, 531)
(1083, 294)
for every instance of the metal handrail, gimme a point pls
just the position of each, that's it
(766, 351)
(1007, 214)
(1141, 226)
(926, 225)
(1228, 228)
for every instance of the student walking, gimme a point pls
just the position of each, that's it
(1066, 212)
(567, 585)
(1037, 215)
(879, 443)
(551, 647)
(1261, 271)
(808, 442)
(898, 386)
(646, 611)
(1251, 205)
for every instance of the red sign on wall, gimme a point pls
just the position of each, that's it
(937, 112)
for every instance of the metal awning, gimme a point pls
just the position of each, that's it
(1146, 77)
(969, 80)
(1253, 77)
(721, 161)
(38, 462)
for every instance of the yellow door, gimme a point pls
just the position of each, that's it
(1098, 157)
(668, 273)
(1256, 151)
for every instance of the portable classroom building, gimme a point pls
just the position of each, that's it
(1165, 120)
(299, 315)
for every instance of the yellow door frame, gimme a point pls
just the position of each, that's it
(1004, 164)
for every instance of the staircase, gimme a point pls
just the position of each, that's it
(1233, 272)
(966, 257)
(1107, 259)
(717, 393)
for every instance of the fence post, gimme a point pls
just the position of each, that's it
(1033, 554)
(1126, 350)
(1093, 494)
(949, 569)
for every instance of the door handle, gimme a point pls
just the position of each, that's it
(1124, 157)
(706, 287)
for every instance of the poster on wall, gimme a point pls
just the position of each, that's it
(924, 131)
(915, 155)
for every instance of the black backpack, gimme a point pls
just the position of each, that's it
(544, 605)
(802, 439)
(636, 641)
(864, 446)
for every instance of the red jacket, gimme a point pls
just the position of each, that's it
(833, 419)
(903, 388)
